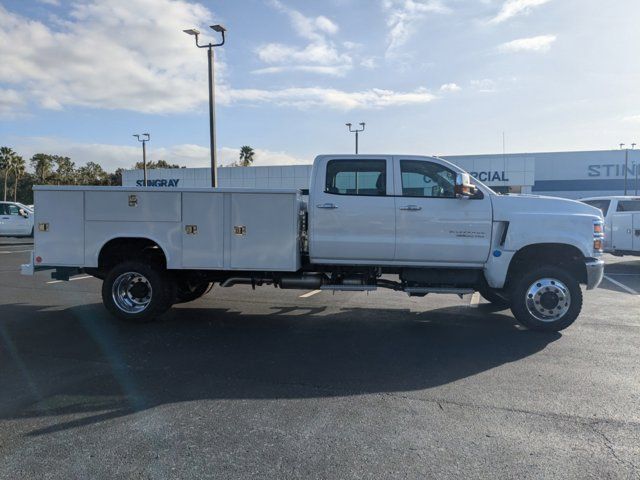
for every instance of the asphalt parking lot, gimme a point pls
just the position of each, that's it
(287, 384)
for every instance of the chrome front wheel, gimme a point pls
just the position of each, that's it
(548, 299)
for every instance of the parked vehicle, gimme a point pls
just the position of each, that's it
(621, 222)
(417, 219)
(16, 220)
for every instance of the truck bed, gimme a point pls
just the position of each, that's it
(204, 229)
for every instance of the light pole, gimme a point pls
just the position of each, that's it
(212, 95)
(356, 131)
(626, 167)
(145, 138)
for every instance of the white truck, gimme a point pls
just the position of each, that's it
(621, 222)
(409, 223)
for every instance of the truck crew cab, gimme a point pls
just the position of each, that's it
(409, 223)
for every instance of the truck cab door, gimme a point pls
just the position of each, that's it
(433, 225)
(352, 210)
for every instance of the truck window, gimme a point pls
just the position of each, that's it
(13, 209)
(357, 177)
(426, 179)
(603, 205)
(3, 209)
(628, 206)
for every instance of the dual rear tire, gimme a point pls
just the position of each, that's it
(139, 293)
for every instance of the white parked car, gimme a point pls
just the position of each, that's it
(16, 220)
(621, 223)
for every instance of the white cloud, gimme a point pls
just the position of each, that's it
(402, 17)
(484, 85)
(111, 157)
(450, 87)
(321, 50)
(227, 156)
(631, 118)
(540, 43)
(331, 98)
(83, 62)
(511, 8)
(11, 102)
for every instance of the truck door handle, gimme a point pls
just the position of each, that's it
(327, 205)
(411, 208)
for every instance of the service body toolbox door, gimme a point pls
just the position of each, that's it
(433, 225)
(202, 230)
(352, 210)
(59, 226)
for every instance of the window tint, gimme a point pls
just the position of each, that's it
(427, 179)
(3, 209)
(357, 177)
(629, 206)
(603, 205)
(13, 209)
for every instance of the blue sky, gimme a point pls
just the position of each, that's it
(427, 76)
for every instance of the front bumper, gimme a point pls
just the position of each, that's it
(595, 272)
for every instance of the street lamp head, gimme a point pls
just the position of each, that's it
(218, 28)
(192, 31)
(348, 125)
(362, 124)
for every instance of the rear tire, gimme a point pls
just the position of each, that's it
(546, 299)
(136, 292)
(186, 293)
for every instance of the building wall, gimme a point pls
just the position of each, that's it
(564, 174)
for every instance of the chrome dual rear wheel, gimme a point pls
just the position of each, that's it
(132, 292)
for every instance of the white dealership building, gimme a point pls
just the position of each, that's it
(563, 174)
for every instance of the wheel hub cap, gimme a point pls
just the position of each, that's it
(132, 292)
(548, 299)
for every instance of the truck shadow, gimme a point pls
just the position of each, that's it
(77, 366)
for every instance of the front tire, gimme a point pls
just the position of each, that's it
(136, 292)
(546, 299)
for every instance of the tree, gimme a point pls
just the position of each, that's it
(158, 164)
(246, 156)
(6, 157)
(91, 174)
(42, 164)
(19, 169)
(65, 170)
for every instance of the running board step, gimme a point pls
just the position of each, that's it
(425, 290)
(349, 288)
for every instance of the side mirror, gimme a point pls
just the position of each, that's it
(23, 213)
(464, 187)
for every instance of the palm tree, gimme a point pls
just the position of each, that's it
(6, 156)
(246, 156)
(19, 169)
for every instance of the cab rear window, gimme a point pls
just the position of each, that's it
(603, 205)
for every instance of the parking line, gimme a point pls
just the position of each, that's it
(310, 294)
(622, 285)
(474, 300)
